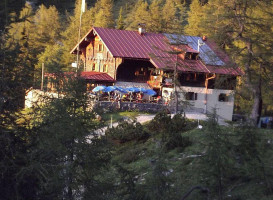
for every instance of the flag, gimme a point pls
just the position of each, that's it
(83, 6)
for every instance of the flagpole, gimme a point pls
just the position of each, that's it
(79, 36)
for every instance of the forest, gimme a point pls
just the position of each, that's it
(53, 152)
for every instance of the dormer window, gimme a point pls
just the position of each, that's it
(194, 56)
(191, 56)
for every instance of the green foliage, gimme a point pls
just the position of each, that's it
(71, 33)
(126, 131)
(161, 123)
(246, 38)
(66, 147)
(157, 182)
(138, 15)
(120, 22)
(218, 155)
(155, 23)
(47, 27)
(104, 15)
(172, 17)
(159, 16)
(170, 130)
(195, 16)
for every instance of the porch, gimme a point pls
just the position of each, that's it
(132, 70)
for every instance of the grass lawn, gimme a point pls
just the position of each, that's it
(117, 116)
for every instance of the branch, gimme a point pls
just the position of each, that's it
(203, 189)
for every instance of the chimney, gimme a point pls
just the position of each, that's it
(141, 29)
(204, 38)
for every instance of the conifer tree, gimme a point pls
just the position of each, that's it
(120, 22)
(171, 15)
(47, 26)
(155, 20)
(71, 33)
(138, 15)
(195, 16)
(104, 17)
(243, 27)
(24, 25)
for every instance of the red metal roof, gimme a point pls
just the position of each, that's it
(94, 76)
(130, 44)
(155, 47)
(97, 76)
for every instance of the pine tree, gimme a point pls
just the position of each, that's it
(120, 22)
(104, 17)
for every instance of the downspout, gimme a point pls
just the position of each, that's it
(115, 74)
(206, 90)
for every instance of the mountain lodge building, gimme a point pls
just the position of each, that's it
(206, 75)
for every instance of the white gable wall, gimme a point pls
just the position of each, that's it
(223, 109)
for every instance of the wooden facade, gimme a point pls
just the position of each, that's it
(97, 58)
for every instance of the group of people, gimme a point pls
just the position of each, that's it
(137, 97)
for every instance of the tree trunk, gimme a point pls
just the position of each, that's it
(257, 106)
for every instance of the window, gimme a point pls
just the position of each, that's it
(105, 68)
(141, 71)
(223, 97)
(93, 66)
(191, 96)
(100, 47)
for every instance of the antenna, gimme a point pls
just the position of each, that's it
(200, 43)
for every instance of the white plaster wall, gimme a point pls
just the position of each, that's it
(36, 97)
(223, 109)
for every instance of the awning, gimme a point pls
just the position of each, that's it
(124, 84)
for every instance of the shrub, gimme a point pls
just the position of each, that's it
(178, 123)
(126, 131)
(170, 130)
(161, 123)
(176, 140)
